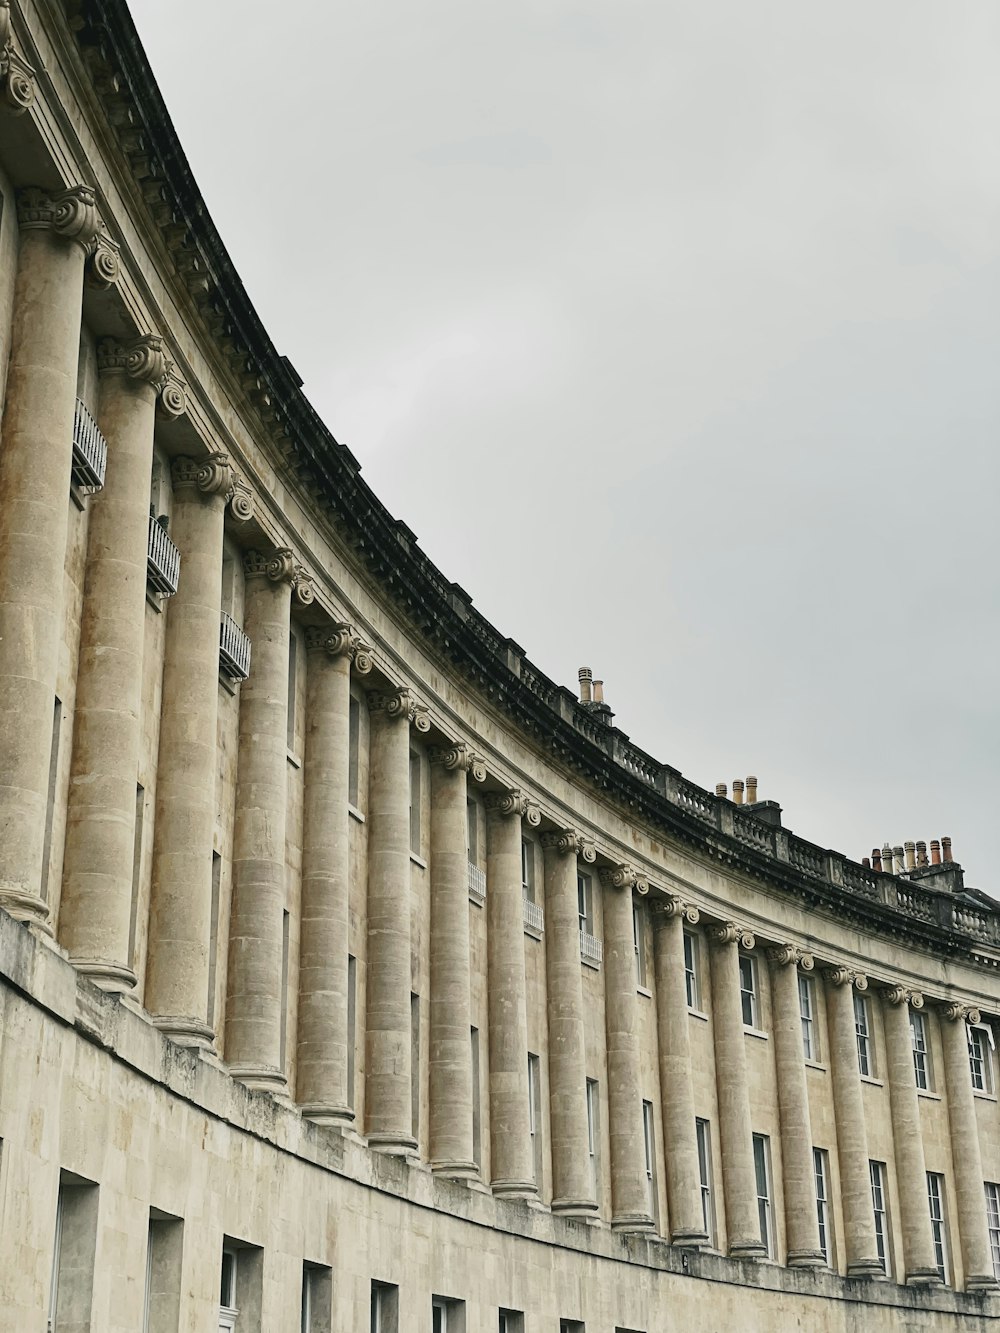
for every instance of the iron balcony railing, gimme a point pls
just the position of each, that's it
(90, 450)
(234, 649)
(590, 948)
(534, 916)
(163, 560)
(477, 884)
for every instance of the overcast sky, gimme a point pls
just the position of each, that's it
(672, 330)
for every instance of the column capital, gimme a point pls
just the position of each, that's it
(569, 842)
(280, 566)
(791, 954)
(69, 213)
(624, 876)
(846, 976)
(513, 801)
(674, 905)
(212, 475)
(17, 78)
(460, 757)
(241, 500)
(727, 932)
(143, 358)
(958, 1012)
(901, 996)
(400, 705)
(340, 640)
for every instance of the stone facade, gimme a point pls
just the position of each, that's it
(349, 967)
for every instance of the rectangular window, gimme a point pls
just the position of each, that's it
(511, 1321)
(572, 1326)
(762, 1170)
(584, 901)
(639, 942)
(415, 1066)
(821, 1170)
(414, 802)
(649, 1142)
(535, 1114)
(980, 1065)
(283, 1049)
(807, 1011)
(228, 1309)
(862, 1031)
(317, 1299)
(749, 991)
(935, 1201)
(213, 936)
(447, 1316)
(477, 1127)
(472, 830)
(921, 1055)
(691, 971)
(290, 710)
(880, 1206)
(352, 1023)
(140, 819)
(162, 1305)
(594, 1134)
(354, 752)
(703, 1135)
(385, 1308)
(50, 805)
(71, 1291)
(993, 1222)
(241, 1293)
(528, 869)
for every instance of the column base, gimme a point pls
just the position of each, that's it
(637, 1223)
(981, 1282)
(184, 1031)
(514, 1189)
(114, 978)
(456, 1170)
(689, 1240)
(399, 1145)
(586, 1208)
(747, 1249)
(923, 1277)
(27, 907)
(322, 1113)
(805, 1259)
(260, 1078)
(866, 1268)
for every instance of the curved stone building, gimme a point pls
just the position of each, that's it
(354, 974)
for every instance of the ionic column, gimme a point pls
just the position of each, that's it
(630, 1206)
(96, 905)
(511, 1160)
(687, 1226)
(451, 1146)
(572, 1187)
(322, 1056)
(797, 1171)
(739, 1181)
(387, 1032)
(966, 1154)
(852, 1136)
(180, 920)
(254, 1002)
(58, 232)
(908, 1146)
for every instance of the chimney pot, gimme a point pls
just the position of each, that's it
(720, 789)
(585, 676)
(921, 853)
(738, 790)
(935, 852)
(887, 865)
(598, 691)
(866, 863)
(946, 850)
(910, 852)
(876, 859)
(751, 791)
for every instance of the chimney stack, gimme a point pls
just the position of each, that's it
(887, 865)
(721, 789)
(921, 854)
(911, 859)
(866, 863)
(935, 852)
(897, 856)
(946, 850)
(598, 691)
(738, 790)
(585, 676)
(751, 791)
(876, 860)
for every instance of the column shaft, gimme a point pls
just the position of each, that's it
(573, 1191)
(451, 1145)
(387, 1031)
(254, 1002)
(510, 1123)
(630, 1202)
(35, 464)
(798, 1175)
(321, 1063)
(738, 1178)
(966, 1154)
(96, 906)
(180, 924)
(687, 1226)
(908, 1147)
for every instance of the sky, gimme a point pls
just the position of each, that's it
(672, 330)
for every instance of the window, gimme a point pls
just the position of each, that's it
(447, 1316)
(691, 971)
(748, 991)
(140, 819)
(283, 1036)
(993, 1222)
(228, 1309)
(414, 802)
(535, 1114)
(935, 1200)
(352, 1023)
(703, 1134)
(880, 1205)
(292, 682)
(639, 942)
(762, 1170)
(71, 1289)
(528, 869)
(921, 1056)
(354, 751)
(572, 1326)
(594, 1133)
(649, 1142)
(472, 830)
(50, 805)
(385, 1308)
(415, 1066)
(317, 1298)
(807, 1010)
(980, 1065)
(862, 1032)
(511, 1321)
(821, 1170)
(213, 941)
(477, 1126)
(162, 1304)
(584, 900)
(241, 1286)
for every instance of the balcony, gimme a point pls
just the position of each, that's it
(534, 917)
(477, 884)
(90, 451)
(234, 649)
(591, 949)
(163, 560)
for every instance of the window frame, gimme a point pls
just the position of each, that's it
(585, 901)
(939, 1233)
(765, 1190)
(416, 814)
(978, 1035)
(992, 1192)
(703, 1146)
(863, 1035)
(920, 1042)
(807, 1017)
(879, 1178)
(649, 1146)
(824, 1212)
(692, 980)
(639, 943)
(750, 995)
(354, 753)
(528, 870)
